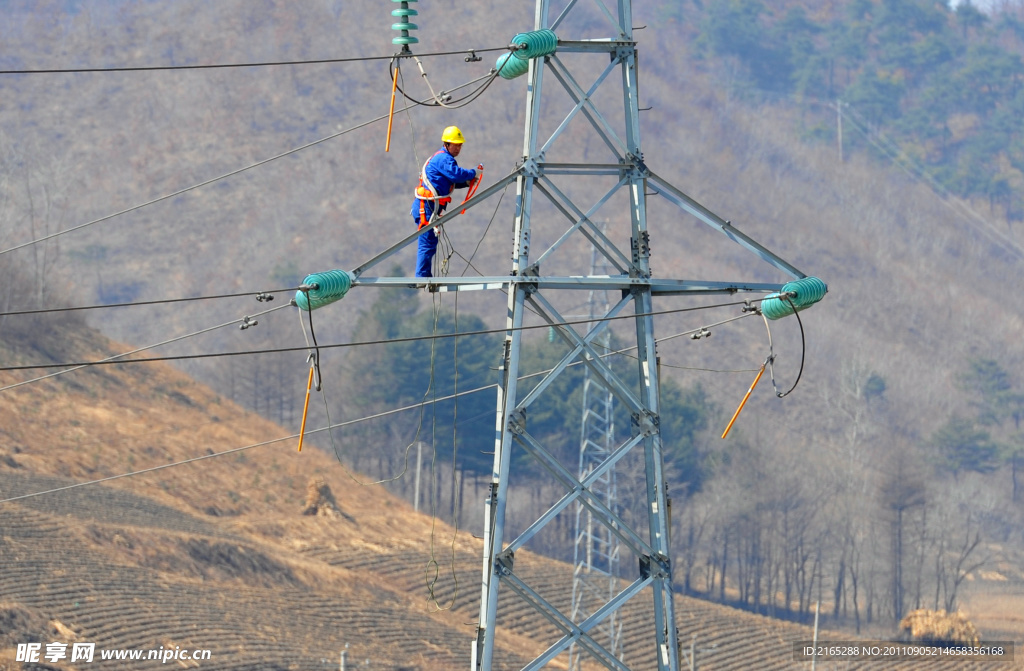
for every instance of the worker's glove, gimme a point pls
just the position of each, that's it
(477, 172)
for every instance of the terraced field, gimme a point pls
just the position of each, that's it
(218, 556)
(57, 568)
(125, 572)
(726, 639)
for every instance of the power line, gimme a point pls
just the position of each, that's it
(245, 447)
(201, 184)
(329, 427)
(320, 61)
(224, 176)
(891, 150)
(920, 174)
(259, 295)
(116, 357)
(284, 350)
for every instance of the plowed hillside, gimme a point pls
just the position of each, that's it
(216, 555)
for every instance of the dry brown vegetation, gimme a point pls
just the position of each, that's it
(217, 554)
(939, 627)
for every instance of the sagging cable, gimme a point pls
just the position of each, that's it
(771, 351)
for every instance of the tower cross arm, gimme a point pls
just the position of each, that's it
(688, 204)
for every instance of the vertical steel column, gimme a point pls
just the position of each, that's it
(660, 565)
(494, 521)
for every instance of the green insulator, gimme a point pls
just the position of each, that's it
(404, 39)
(331, 286)
(510, 67)
(807, 292)
(535, 44)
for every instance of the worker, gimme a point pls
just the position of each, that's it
(440, 176)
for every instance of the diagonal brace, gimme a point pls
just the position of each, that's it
(440, 221)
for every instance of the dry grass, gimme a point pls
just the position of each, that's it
(217, 554)
(939, 627)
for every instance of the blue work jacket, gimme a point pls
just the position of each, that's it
(445, 175)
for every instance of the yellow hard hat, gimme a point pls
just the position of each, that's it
(453, 135)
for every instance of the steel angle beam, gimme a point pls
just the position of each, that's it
(629, 537)
(688, 204)
(574, 493)
(579, 97)
(583, 222)
(443, 219)
(658, 287)
(555, 617)
(580, 103)
(591, 622)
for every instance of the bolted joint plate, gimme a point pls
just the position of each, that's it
(517, 422)
(533, 166)
(646, 424)
(504, 563)
(639, 166)
(655, 566)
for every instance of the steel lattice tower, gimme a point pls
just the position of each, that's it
(534, 285)
(530, 287)
(596, 549)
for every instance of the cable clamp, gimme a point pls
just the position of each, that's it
(748, 306)
(316, 367)
(264, 297)
(702, 333)
(247, 321)
(472, 57)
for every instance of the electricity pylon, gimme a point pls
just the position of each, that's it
(530, 288)
(533, 285)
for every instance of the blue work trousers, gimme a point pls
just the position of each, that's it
(425, 251)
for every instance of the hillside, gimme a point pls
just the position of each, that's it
(217, 555)
(920, 294)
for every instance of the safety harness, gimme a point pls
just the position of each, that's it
(425, 191)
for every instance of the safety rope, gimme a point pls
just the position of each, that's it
(433, 566)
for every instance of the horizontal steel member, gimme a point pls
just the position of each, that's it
(598, 46)
(584, 168)
(659, 287)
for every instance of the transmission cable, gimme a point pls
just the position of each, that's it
(439, 100)
(206, 183)
(261, 296)
(153, 68)
(771, 352)
(278, 350)
(378, 415)
(117, 357)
